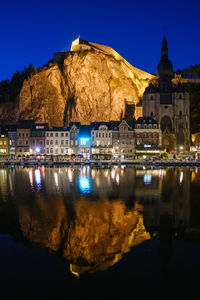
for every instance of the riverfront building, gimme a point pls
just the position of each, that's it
(147, 134)
(3, 145)
(57, 141)
(37, 139)
(99, 140)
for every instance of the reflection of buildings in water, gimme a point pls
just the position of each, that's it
(90, 235)
(168, 193)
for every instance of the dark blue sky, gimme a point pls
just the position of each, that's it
(31, 31)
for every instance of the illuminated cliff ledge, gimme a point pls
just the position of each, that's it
(135, 237)
(80, 44)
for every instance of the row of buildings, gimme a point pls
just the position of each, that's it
(117, 139)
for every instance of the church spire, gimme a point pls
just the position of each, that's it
(164, 49)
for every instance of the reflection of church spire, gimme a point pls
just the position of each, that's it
(165, 247)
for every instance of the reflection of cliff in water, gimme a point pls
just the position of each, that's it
(77, 212)
(93, 237)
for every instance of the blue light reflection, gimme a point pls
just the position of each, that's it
(147, 178)
(84, 184)
(37, 175)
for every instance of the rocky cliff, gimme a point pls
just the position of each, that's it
(89, 85)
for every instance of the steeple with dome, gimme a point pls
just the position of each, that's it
(164, 69)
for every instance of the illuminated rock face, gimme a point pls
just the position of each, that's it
(90, 235)
(90, 85)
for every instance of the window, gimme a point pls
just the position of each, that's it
(51, 142)
(103, 134)
(62, 134)
(51, 134)
(56, 134)
(62, 142)
(47, 134)
(66, 150)
(180, 96)
(33, 143)
(180, 113)
(66, 142)
(26, 142)
(47, 150)
(152, 114)
(66, 133)
(56, 142)
(76, 142)
(62, 150)
(51, 150)
(155, 126)
(96, 134)
(1, 143)
(56, 151)
(72, 142)
(151, 98)
(41, 143)
(19, 134)
(27, 134)
(99, 134)
(47, 142)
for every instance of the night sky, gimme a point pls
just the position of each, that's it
(31, 31)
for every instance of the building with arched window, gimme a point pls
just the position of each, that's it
(169, 105)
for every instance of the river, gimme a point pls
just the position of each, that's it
(99, 233)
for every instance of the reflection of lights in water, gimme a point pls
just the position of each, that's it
(43, 172)
(162, 173)
(147, 178)
(70, 176)
(31, 176)
(84, 170)
(117, 178)
(144, 168)
(106, 173)
(123, 166)
(56, 179)
(181, 177)
(93, 173)
(113, 174)
(37, 176)
(84, 184)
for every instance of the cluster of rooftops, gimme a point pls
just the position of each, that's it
(83, 129)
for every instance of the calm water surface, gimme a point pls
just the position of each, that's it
(99, 233)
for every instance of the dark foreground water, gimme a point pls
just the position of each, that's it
(88, 233)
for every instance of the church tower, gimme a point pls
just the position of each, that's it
(168, 103)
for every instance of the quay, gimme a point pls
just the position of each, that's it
(52, 163)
